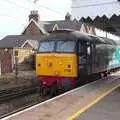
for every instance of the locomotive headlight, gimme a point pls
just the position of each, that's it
(69, 66)
(39, 65)
(44, 82)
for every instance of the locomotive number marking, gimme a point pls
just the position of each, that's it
(67, 70)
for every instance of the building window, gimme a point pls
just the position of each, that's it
(16, 53)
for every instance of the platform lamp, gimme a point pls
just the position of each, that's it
(6, 49)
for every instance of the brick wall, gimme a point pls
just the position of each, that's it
(32, 29)
(6, 60)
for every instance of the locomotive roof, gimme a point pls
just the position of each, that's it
(76, 35)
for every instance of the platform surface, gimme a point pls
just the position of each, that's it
(106, 109)
(64, 106)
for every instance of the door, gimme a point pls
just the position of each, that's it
(90, 58)
(82, 58)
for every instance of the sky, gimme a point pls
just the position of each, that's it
(14, 13)
(93, 8)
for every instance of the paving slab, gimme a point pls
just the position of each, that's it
(106, 109)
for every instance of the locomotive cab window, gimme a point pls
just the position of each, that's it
(66, 46)
(60, 46)
(47, 46)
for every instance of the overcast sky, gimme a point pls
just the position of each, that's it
(14, 13)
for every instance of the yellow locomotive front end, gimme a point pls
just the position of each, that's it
(56, 63)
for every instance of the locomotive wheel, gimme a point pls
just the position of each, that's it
(109, 72)
(53, 90)
(43, 91)
(105, 74)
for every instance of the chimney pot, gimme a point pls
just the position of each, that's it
(68, 16)
(34, 15)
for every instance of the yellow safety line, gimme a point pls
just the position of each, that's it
(92, 103)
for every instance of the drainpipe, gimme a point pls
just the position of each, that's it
(0, 68)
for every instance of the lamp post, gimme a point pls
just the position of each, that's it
(16, 68)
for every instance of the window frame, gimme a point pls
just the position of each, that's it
(75, 50)
(46, 51)
(54, 51)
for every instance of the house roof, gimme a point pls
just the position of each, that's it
(12, 41)
(40, 26)
(62, 24)
(47, 26)
(32, 43)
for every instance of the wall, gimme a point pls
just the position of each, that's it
(23, 53)
(6, 60)
(32, 29)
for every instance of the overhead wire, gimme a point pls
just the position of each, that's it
(43, 6)
(36, 4)
(15, 4)
(25, 8)
(12, 17)
(11, 2)
(95, 4)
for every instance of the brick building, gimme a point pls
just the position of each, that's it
(18, 46)
(24, 45)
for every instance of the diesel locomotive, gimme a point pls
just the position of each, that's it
(66, 56)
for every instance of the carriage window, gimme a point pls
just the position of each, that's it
(65, 46)
(47, 46)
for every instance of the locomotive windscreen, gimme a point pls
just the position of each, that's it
(46, 46)
(61, 46)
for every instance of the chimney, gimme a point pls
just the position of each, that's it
(34, 15)
(68, 16)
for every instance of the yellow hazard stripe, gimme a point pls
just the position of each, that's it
(92, 103)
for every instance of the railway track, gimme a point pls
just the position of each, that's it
(9, 94)
(38, 100)
(6, 96)
(12, 93)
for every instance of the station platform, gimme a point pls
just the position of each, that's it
(99, 100)
(106, 109)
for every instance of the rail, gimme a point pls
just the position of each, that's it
(16, 92)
